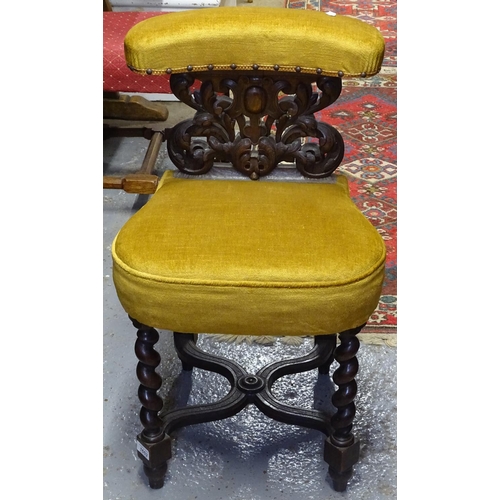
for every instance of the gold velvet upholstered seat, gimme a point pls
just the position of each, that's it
(250, 255)
(249, 258)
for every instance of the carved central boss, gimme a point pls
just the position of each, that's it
(255, 123)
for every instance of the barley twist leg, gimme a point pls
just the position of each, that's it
(153, 445)
(341, 447)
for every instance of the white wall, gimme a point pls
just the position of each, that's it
(166, 5)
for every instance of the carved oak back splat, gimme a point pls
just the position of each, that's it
(255, 122)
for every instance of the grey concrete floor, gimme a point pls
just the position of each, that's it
(249, 456)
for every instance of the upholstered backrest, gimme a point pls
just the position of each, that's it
(261, 38)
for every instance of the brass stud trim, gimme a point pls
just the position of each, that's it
(254, 66)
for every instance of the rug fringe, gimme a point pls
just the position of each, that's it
(390, 340)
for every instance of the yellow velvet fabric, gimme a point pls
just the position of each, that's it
(264, 36)
(251, 258)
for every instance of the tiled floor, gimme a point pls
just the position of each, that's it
(249, 456)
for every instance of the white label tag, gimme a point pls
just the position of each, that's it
(142, 450)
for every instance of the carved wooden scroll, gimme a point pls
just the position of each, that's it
(256, 122)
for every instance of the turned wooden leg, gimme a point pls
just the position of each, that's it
(341, 447)
(153, 445)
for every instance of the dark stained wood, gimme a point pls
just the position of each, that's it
(154, 446)
(324, 369)
(254, 121)
(341, 447)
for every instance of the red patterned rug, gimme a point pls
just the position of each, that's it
(365, 115)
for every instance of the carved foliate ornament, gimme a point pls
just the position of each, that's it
(254, 123)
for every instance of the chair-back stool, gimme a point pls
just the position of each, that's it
(246, 256)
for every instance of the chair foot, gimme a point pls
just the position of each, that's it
(156, 476)
(341, 460)
(339, 480)
(155, 453)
